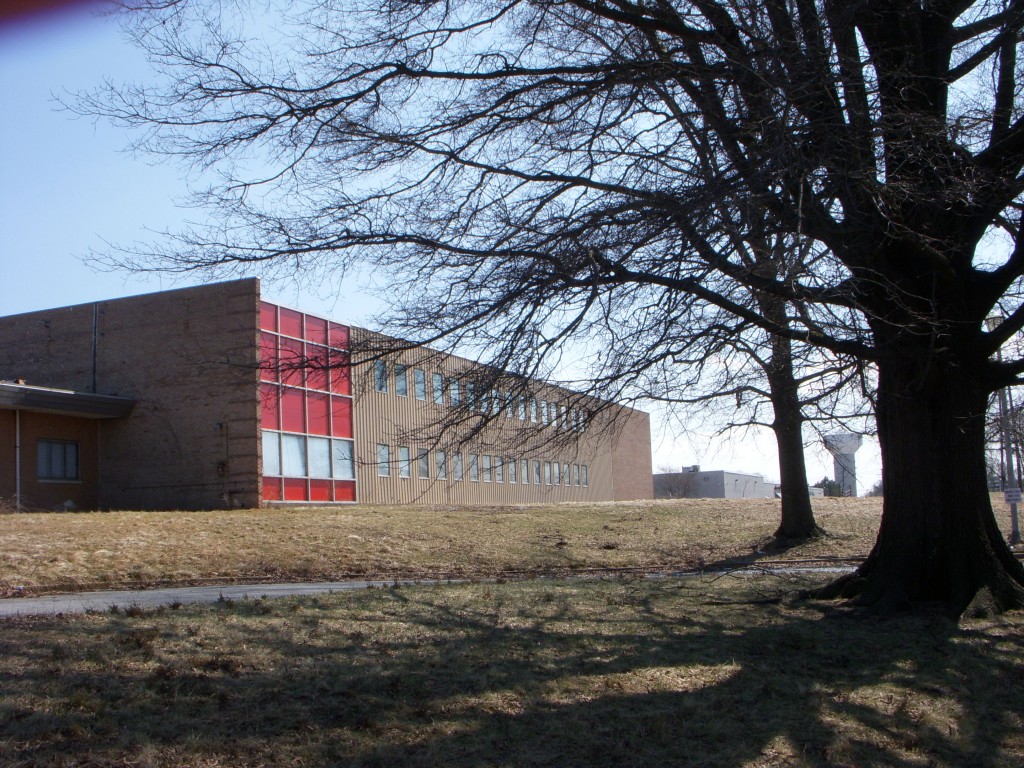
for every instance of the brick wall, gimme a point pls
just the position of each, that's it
(189, 358)
(631, 456)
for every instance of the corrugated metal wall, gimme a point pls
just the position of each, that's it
(416, 421)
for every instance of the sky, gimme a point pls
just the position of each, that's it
(68, 187)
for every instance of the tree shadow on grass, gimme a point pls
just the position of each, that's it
(598, 674)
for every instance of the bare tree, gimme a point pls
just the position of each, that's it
(534, 172)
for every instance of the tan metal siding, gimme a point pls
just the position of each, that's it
(397, 421)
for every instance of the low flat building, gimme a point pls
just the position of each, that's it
(212, 397)
(712, 484)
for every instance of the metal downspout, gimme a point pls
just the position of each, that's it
(17, 460)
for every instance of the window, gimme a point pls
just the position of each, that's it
(511, 464)
(437, 384)
(576, 475)
(293, 455)
(319, 457)
(471, 396)
(344, 461)
(404, 461)
(308, 456)
(521, 408)
(453, 392)
(383, 460)
(474, 467)
(380, 376)
(547, 473)
(271, 453)
(495, 402)
(485, 462)
(420, 383)
(57, 460)
(533, 410)
(423, 463)
(458, 473)
(583, 472)
(566, 476)
(554, 474)
(536, 472)
(499, 470)
(441, 464)
(401, 381)
(543, 411)
(524, 466)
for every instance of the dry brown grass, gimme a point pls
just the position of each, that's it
(696, 672)
(68, 551)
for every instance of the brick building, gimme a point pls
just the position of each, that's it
(209, 397)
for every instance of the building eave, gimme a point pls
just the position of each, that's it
(62, 402)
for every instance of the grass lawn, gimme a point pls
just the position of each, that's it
(714, 670)
(724, 671)
(42, 552)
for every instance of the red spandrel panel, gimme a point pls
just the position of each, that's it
(316, 369)
(318, 411)
(291, 323)
(341, 408)
(293, 410)
(268, 357)
(339, 336)
(345, 490)
(295, 489)
(271, 488)
(316, 330)
(270, 406)
(293, 363)
(268, 317)
(341, 376)
(320, 490)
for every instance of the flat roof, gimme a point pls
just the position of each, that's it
(62, 402)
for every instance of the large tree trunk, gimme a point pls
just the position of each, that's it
(797, 520)
(938, 543)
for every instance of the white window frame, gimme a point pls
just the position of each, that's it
(383, 460)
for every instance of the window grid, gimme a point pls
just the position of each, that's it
(306, 407)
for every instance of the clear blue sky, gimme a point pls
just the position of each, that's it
(68, 186)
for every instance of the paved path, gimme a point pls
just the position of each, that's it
(80, 602)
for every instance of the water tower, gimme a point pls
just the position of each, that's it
(843, 446)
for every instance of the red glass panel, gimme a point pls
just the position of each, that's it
(293, 410)
(341, 378)
(271, 488)
(318, 408)
(339, 336)
(341, 408)
(316, 373)
(295, 489)
(268, 357)
(291, 323)
(319, 490)
(268, 317)
(345, 490)
(293, 363)
(270, 406)
(316, 330)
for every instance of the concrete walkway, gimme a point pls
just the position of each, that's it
(80, 602)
